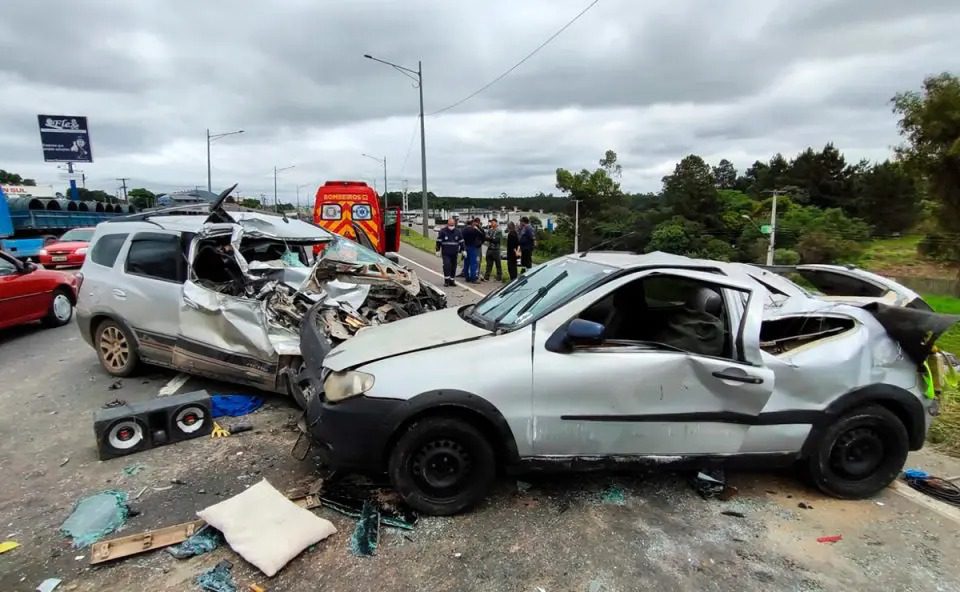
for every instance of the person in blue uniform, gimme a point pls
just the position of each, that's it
(449, 245)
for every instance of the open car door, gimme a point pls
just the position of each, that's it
(392, 223)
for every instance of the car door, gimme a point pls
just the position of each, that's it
(24, 296)
(221, 335)
(638, 397)
(147, 295)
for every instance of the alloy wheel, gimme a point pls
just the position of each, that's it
(114, 348)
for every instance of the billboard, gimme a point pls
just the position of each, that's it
(65, 138)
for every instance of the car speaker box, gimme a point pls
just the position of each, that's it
(138, 426)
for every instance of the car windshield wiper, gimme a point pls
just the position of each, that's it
(540, 293)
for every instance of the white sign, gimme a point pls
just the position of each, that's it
(70, 176)
(25, 190)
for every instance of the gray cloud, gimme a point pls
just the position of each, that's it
(654, 80)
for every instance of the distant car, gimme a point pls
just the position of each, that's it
(29, 293)
(69, 250)
(616, 358)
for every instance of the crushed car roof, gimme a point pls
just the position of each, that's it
(252, 222)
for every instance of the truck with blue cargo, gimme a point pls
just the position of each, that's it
(27, 223)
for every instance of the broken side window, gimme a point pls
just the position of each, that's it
(676, 312)
(778, 336)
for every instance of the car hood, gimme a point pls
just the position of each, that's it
(67, 246)
(424, 331)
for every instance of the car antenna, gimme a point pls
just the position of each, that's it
(607, 242)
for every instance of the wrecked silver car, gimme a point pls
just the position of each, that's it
(617, 358)
(223, 295)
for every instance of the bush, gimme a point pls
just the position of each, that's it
(786, 257)
(938, 246)
(820, 247)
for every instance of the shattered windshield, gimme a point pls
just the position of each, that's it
(538, 291)
(346, 251)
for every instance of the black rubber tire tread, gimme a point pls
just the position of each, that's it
(421, 432)
(896, 446)
(51, 319)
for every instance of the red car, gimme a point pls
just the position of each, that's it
(69, 250)
(29, 293)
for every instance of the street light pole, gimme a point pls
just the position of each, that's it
(773, 229)
(211, 138)
(576, 225)
(423, 142)
(276, 202)
(384, 161)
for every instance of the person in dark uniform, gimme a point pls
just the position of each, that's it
(493, 237)
(449, 245)
(513, 249)
(527, 240)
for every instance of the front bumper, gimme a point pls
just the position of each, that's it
(351, 435)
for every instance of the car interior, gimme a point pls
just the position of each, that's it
(672, 311)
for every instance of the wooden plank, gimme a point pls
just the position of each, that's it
(142, 542)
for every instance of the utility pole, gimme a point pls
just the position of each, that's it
(773, 228)
(406, 206)
(576, 225)
(423, 142)
(124, 181)
(74, 194)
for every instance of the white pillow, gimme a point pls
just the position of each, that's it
(266, 528)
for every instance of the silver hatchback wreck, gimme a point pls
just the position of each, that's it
(615, 358)
(223, 294)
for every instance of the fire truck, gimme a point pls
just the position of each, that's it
(353, 209)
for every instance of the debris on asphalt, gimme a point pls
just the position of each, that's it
(49, 585)
(366, 535)
(218, 431)
(712, 483)
(134, 469)
(523, 486)
(218, 578)
(265, 528)
(115, 385)
(222, 431)
(733, 513)
(256, 588)
(203, 541)
(96, 516)
(142, 542)
(234, 405)
(114, 403)
(8, 546)
(139, 493)
(65, 460)
(614, 495)
(804, 506)
(177, 482)
(830, 539)
(347, 496)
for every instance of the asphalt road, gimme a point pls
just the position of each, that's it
(602, 532)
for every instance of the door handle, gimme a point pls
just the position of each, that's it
(737, 376)
(119, 293)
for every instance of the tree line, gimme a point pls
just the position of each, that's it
(827, 207)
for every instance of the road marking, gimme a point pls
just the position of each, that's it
(904, 490)
(174, 385)
(477, 292)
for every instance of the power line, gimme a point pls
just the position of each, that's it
(518, 64)
(413, 135)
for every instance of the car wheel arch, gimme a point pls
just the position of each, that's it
(98, 319)
(899, 401)
(463, 405)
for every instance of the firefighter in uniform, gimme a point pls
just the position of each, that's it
(449, 246)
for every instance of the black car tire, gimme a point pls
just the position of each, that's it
(57, 315)
(116, 349)
(860, 453)
(442, 465)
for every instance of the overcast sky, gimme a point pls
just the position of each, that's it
(653, 80)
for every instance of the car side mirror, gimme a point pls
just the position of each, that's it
(29, 267)
(582, 332)
(393, 257)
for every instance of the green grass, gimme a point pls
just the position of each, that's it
(945, 431)
(891, 252)
(417, 240)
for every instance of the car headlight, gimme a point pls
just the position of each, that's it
(42, 252)
(343, 385)
(80, 251)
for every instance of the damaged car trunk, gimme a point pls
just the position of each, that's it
(253, 278)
